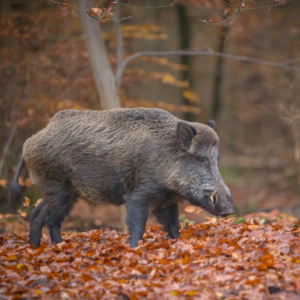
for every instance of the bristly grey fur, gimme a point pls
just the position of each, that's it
(138, 157)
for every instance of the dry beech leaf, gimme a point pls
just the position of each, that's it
(45, 269)
(284, 248)
(26, 202)
(275, 252)
(231, 261)
(21, 182)
(10, 258)
(253, 227)
(213, 220)
(22, 213)
(190, 209)
(38, 202)
(237, 255)
(3, 182)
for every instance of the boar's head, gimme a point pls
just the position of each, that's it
(195, 174)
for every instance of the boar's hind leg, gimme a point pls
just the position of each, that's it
(168, 217)
(137, 212)
(37, 221)
(60, 203)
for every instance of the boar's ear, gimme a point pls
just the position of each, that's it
(185, 134)
(212, 124)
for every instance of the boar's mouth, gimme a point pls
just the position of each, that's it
(211, 203)
(226, 213)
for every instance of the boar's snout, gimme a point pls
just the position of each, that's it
(228, 210)
(218, 202)
(222, 201)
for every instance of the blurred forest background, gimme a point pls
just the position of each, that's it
(44, 68)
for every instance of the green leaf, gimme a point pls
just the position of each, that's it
(240, 220)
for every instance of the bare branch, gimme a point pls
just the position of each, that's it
(70, 5)
(203, 52)
(103, 15)
(238, 10)
(134, 6)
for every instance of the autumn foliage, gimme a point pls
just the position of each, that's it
(45, 68)
(217, 259)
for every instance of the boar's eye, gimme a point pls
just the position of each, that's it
(202, 160)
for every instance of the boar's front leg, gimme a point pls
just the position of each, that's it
(168, 217)
(137, 208)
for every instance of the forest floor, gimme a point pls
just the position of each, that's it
(258, 258)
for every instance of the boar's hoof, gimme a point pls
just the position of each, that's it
(34, 242)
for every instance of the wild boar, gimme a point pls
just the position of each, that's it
(138, 157)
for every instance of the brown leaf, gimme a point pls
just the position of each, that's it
(253, 227)
(45, 269)
(38, 202)
(3, 182)
(284, 248)
(22, 213)
(26, 202)
(86, 277)
(10, 258)
(190, 209)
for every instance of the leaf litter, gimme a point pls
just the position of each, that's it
(217, 259)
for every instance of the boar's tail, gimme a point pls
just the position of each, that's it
(16, 191)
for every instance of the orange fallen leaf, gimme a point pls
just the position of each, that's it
(191, 293)
(3, 182)
(45, 269)
(28, 182)
(26, 202)
(213, 220)
(190, 209)
(86, 277)
(253, 227)
(21, 182)
(22, 213)
(186, 235)
(38, 202)
(10, 258)
(237, 255)
(275, 252)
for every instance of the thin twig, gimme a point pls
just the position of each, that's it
(133, 6)
(202, 52)
(70, 5)
(91, 17)
(237, 11)
(70, 233)
(227, 4)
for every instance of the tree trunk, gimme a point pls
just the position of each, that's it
(100, 65)
(217, 86)
(101, 68)
(185, 43)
